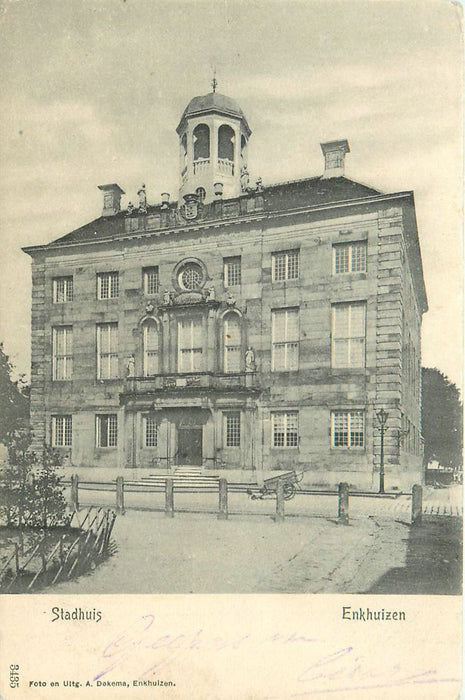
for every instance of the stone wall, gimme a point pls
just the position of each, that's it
(314, 390)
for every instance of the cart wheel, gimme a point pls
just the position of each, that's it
(288, 491)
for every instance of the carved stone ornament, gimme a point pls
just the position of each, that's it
(192, 381)
(245, 178)
(250, 360)
(130, 366)
(230, 300)
(142, 200)
(149, 308)
(188, 298)
(190, 209)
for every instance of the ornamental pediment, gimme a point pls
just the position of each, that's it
(188, 298)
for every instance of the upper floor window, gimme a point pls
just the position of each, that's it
(62, 289)
(232, 271)
(62, 352)
(151, 280)
(107, 285)
(347, 429)
(285, 428)
(232, 428)
(232, 342)
(150, 342)
(284, 340)
(350, 257)
(348, 335)
(107, 350)
(285, 265)
(201, 138)
(190, 344)
(107, 430)
(62, 431)
(149, 431)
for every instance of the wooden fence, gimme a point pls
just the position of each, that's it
(170, 485)
(48, 561)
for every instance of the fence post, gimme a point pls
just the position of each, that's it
(16, 558)
(120, 495)
(223, 500)
(279, 502)
(169, 498)
(343, 503)
(74, 500)
(417, 503)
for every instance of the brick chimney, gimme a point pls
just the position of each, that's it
(111, 199)
(334, 153)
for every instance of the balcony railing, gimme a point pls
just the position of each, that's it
(191, 381)
(226, 166)
(201, 165)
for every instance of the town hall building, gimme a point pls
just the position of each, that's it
(244, 325)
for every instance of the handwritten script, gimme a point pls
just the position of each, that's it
(318, 666)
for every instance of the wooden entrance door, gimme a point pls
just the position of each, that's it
(190, 446)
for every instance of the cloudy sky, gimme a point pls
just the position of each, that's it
(92, 91)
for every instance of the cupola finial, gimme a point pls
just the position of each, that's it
(214, 81)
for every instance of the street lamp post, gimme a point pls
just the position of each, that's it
(382, 417)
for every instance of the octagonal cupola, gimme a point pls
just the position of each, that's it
(213, 137)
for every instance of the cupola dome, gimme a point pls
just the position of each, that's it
(213, 136)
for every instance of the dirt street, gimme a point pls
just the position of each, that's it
(196, 553)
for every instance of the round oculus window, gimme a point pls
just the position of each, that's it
(191, 277)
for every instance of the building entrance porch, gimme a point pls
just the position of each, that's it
(213, 437)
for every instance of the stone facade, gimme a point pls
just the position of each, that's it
(290, 403)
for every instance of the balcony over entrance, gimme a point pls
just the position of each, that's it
(203, 381)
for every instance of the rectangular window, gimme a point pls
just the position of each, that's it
(232, 429)
(62, 431)
(150, 427)
(190, 345)
(62, 353)
(284, 340)
(348, 335)
(151, 280)
(285, 265)
(62, 289)
(107, 430)
(349, 257)
(285, 429)
(108, 285)
(348, 429)
(232, 271)
(107, 351)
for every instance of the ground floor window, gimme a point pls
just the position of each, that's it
(348, 429)
(107, 430)
(285, 428)
(149, 431)
(232, 428)
(62, 431)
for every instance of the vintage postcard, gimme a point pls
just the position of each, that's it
(231, 349)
